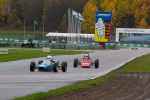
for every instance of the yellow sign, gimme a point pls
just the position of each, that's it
(3, 51)
(99, 38)
(46, 49)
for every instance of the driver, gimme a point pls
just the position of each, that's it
(50, 58)
(86, 55)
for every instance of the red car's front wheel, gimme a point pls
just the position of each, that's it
(96, 63)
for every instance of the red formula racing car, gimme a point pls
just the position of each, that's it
(86, 62)
(134, 48)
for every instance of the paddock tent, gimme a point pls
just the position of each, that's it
(70, 35)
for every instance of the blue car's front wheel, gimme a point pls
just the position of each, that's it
(32, 66)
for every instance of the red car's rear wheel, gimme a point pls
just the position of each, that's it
(75, 64)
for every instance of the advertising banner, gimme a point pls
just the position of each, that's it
(3, 51)
(102, 26)
(46, 49)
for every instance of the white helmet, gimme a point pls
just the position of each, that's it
(86, 55)
(49, 57)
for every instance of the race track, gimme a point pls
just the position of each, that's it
(17, 80)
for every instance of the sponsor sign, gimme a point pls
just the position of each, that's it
(46, 49)
(102, 26)
(3, 51)
(130, 31)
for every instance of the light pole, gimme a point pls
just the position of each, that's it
(91, 39)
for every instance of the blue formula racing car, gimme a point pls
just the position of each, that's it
(48, 65)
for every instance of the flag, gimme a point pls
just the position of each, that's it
(80, 17)
(75, 14)
(69, 13)
(35, 22)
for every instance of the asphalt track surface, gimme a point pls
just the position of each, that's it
(16, 79)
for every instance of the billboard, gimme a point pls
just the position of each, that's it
(102, 26)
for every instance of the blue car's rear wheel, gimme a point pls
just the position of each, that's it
(55, 68)
(32, 66)
(64, 66)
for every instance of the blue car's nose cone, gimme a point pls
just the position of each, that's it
(45, 66)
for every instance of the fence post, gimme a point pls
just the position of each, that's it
(64, 46)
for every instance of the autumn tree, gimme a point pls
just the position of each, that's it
(89, 17)
(13, 20)
(63, 24)
(15, 14)
(4, 7)
(142, 14)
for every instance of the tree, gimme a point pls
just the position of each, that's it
(63, 25)
(33, 10)
(15, 15)
(4, 7)
(13, 20)
(50, 11)
(89, 17)
(54, 11)
(143, 24)
(142, 14)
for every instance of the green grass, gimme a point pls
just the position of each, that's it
(124, 47)
(16, 31)
(18, 34)
(67, 89)
(140, 64)
(18, 54)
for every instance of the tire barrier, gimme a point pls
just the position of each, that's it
(4, 44)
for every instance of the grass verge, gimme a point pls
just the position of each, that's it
(140, 64)
(16, 31)
(18, 54)
(66, 89)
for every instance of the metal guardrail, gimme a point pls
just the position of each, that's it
(7, 40)
(60, 46)
(127, 45)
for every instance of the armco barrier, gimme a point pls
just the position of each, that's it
(127, 45)
(56, 44)
(40, 41)
(80, 47)
(60, 46)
